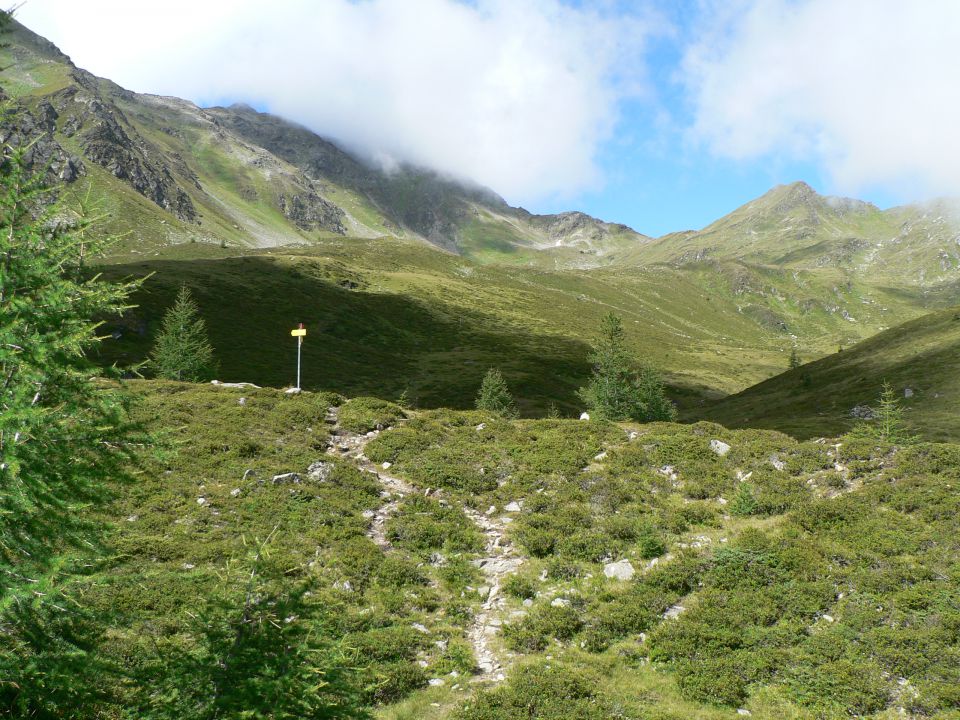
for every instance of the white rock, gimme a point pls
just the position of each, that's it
(491, 510)
(320, 471)
(188, 566)
(514, 506)
(743, 711)
(828, 618)
(132, 518)
(386, 465)
(235, 492)
(719, 447)
(584, 416)
(420, 628)
(242, 401)
(292, 391)
(528, 602)
(290, 477)
(621, 570)
(908, 392)
(777, 463)
(201, 501)
(722, 500)
(481, 426)
(560, 602)
(600, 456)
(673, 612)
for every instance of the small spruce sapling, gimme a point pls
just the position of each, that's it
(794, 362)
(616, 391)
(887, 424)
(494, 396)
(182, 350)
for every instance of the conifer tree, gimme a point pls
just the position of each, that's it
(616, 390)
(794, 362)
(63, 437)
(887, 424)
(182, 350)
(494, 395)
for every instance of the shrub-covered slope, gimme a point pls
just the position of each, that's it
(654, 571)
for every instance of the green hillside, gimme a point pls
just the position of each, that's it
(176, 173)
(921, 356)
(789, 579)
(385, 316)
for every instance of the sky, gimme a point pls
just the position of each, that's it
(664, 115)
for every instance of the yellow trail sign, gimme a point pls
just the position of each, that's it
(299, 332)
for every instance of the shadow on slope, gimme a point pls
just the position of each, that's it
(920, 358)
(359, 342)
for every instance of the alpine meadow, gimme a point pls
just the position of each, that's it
(301, 420)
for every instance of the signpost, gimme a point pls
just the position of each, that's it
(299, 334)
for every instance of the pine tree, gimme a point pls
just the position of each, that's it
(494, 395)
(63, 440)
(182, 350)
(616, 390)
(887, 424)
(794, 362)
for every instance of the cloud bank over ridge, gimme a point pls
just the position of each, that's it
(516, 96)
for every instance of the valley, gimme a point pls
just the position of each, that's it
(371, 544)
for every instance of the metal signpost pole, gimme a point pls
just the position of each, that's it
(299, 334)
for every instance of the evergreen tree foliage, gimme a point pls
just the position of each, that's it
(616, 390)
(182, 350)
(794, 358)
(261, 650)
(887, 424)
(63, 439)
(494, 395)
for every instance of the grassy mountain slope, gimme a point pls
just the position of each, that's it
(384, 316)
(922, 355)
(797, 580)
(238, 177)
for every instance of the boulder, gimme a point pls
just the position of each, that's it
(719, 447)
(584, 416)
(620, 570)
(513, 507)
(319, 471)
(284, 478)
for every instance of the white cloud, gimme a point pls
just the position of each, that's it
(868, 88)
(518, 96)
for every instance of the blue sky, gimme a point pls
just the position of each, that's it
(661, 115)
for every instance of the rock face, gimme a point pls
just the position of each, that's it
(82, 111)
(620, 570)
(23, 126)
(309, 211)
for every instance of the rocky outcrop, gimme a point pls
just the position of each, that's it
(309, 211)
(22, 127)
(110, 141)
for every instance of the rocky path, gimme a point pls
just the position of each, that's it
(351, 445)
(500, 560)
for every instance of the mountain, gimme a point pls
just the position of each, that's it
(177, 173)
(254, 205)
(920, 359)
(794, 227)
